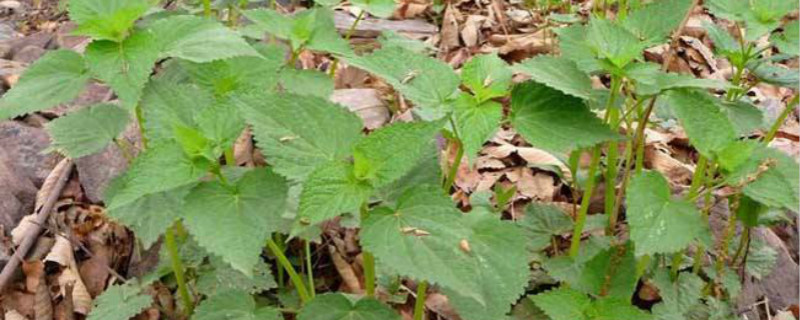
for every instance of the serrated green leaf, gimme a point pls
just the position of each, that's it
(193, 142)
(335, 306)
(222, 124)
(125, 66)
(569, 304)
(599, 271)
(427, 82)
(150, 215)
(220, 277)
(574, 46)
(678, 296)
(166, 104)
(120, 302)
(307, 82)
(487, 76)
(476, 122)
(776, 75)
(650, 80)
(542, 221)
(728, 9)
(198, 39)
(250, 209)
(390, 152)
(554, 121)
(659, 224)
(271, 21)
(233, 305)
(389, 38)
(311, 29)
(378, 8)
(788, 41)
(159, 168)
(778, 186)
(238, 74)
(563, 304)
(88, 130)
(331, 190)
(57, 77)
(761, 259)
(655, 21)
(708, 128)
(300, 133)
(724, 43)
(613, 43)
(558, 73)
(427, 171)
(106, 19)
(478, 260)
(744, 116)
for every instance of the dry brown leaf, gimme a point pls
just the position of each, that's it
(61, 253)
(487, 180)
(471, 32)
(19, 232)
(449, 31)
(535, 156)
(539, 186)
(243, 149)
(501, 151)
(349, 278)
(51, 181)
(675, 171)
(366, 103)
(35, 280)
(81, 300)
(14, 315)
(489, 163)
(439, 304)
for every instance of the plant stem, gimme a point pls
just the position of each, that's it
(743, 243)
(419, 304)
(612, 155)
(293, 276)
(230, 160)
(580, 220)
(278, 239)
(451, 176)
(207, 8)
(369, 273)
(781, 119)
(698, 179)
(368, 260)
(140, 123)
(309, 269)
(347, 37)
(177, 269)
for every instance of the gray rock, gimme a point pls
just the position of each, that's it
(96, 171)
(24, 145)
(29, 54)
(779, 287)
(17, 196)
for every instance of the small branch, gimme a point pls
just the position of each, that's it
(41, 217)
(773, 131)
(419, 304)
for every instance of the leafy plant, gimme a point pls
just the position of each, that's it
(216, 219)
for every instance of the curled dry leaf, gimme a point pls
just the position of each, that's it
(439, 304)
(675, 171)
(539, 157)
(51, 181)
(450, 29)
(14, 315)
(346, 271)
(19, 232)
(81, 300)
(366, 103)
(61, 253)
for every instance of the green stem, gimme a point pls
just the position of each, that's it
(177, 269)
(623, 10)
(230, 160)
(140, 123)
(368, 260)
(347, 37)
(745, 238)
(309, 269)
(293, 276)
(781, 119)
(580, 220)
(207, 8)
(640, 134)
(369, 273)
(451, 176)
(698, 179)
(278, 240)
(612, 156)
(419, 304)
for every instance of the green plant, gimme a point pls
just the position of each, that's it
(217, 218)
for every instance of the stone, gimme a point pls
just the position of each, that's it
(25, 146)
(29, 54)
(17, 196)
